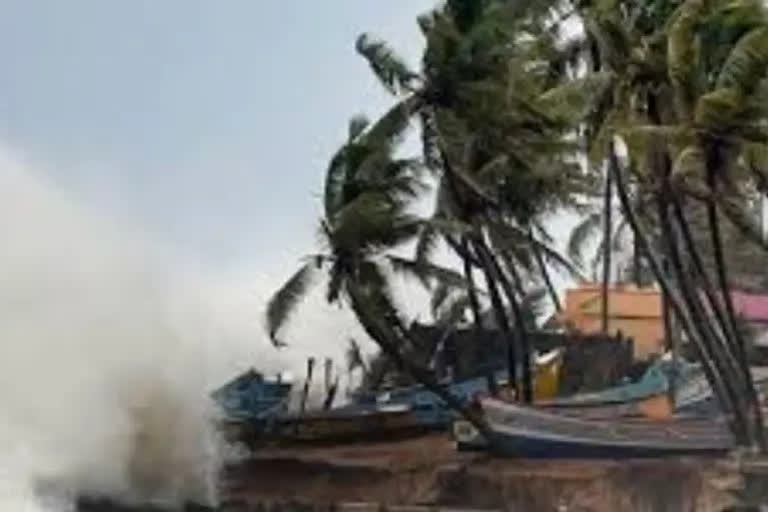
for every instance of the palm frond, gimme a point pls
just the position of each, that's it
(439, 296)
(357, 126)
(584, 232)
(716, 111)
(427, 242)
(689, 162)
(390, 129)
(682, 54)
(426, 272)
(354, 356)
(742, 219)
(746, 64)
(559, 261)
(284, 301)
(574, 99)
(532, 303)
(391, 70)
(453, 311)
(335, 178)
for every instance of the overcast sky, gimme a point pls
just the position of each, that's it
(206, 127)
(206, 124)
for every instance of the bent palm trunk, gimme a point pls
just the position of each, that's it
(755, 412)
(607, 246)
(710, 370)
(474, 304)
(389, 343)
(545, 274)
(493, 280)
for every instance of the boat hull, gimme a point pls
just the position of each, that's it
(533, 433)
(527, 446)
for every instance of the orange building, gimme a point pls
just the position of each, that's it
(636, 312)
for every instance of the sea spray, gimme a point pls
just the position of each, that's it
(102, 390)
(108, 354)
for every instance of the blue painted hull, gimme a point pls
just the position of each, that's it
(526, 447)
(526, 432)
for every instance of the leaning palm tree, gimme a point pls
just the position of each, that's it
(695, 82)
(493, 150)
(368, 192)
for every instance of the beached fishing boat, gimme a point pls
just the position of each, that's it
(430, 409)
(252, 396)
(349, 424)
(656, 380)
(520, 431)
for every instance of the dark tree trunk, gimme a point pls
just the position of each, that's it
(307, 383)
(607, 249)
(708, 365)
(668, 240)
(510, 290)
(713, 342)
(390, 342)
(698, 263)
(755, 412)
(636, 270)
(474, 305)
(525, 344)
(545, 273)
(493, 280)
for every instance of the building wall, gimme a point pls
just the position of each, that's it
(637, 313)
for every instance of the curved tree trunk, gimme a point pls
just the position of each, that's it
(525, 343)
(390, 342)
(708, 365)
(698, 263)
(474, 305)
(520, 328)
(755, 412)
(713, 344)
(545, 273)
(607, 248)
(493, 279)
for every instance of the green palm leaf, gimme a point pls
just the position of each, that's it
(427, 242)
(746, 64)
(357, 126)
(391, 70)
(584, 232)
(683, 55)
(439, 297)
(453, 310)
(426, 272)
(286, 299)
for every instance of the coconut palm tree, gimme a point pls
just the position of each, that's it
(498, 157)
(695, 88)
(367, 196)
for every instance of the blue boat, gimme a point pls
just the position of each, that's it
(655, 381)
(252, 397)
(427, 407)
(520, 431)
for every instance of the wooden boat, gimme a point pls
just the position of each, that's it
(344, 425)
(654, 381)
(252, 396)
(528, 432)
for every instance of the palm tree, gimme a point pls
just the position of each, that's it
(497, 155)
(694, 82)
(367, 195)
